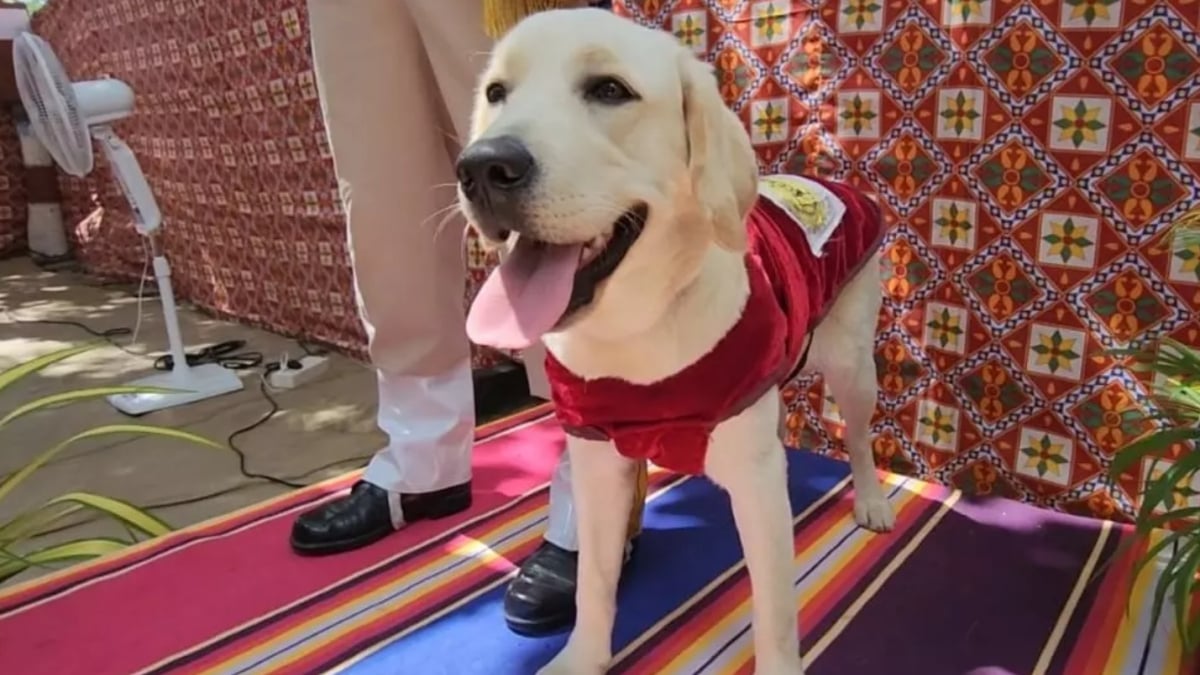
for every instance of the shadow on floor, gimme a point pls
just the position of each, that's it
(321, 430)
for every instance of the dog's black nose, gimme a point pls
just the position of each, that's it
(492, 167)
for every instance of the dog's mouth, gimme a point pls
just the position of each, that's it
(540, 284)
(602, 255)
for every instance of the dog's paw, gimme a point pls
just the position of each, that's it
(874, 512)
(569, 662)
(798, 670)
(784, 665)
(557, 667)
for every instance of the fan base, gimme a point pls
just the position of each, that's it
(194, 383)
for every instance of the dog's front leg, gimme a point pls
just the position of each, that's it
(603, 485)
(746, 457)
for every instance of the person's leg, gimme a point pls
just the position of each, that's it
(541, 598)
(457, 53)
(345, 35)
(561, 530)
(382, 107)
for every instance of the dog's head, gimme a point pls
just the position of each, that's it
(603, 158)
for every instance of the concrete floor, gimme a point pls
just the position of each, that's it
(323, 429)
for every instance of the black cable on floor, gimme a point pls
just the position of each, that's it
(109, 335)
(106, 334)
(263, 419)
(184, 501)
(230, 355)
(216, 493)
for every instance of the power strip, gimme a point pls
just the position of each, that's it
(296, 373)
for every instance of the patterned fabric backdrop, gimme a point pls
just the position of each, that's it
(229, 132)
(1029, 154)
(12, 188)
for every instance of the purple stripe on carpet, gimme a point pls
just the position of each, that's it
(933, 617)
(812, 633)
(1091, 593)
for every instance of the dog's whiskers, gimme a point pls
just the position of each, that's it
(446, 214)
(452, 137)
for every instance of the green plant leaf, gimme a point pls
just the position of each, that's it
(1184, 576)
(1179, 365)
(1155, 441)
(81, 549)
(119, 510)
(15, 373)
(17, 478)
(1163, 584)
(1158, 490)
(11, 565)
(1144, 527)
(1149, 556)
(32, 523)
(1150, 485)
(10, 556)
(1192, 636)
(76, 396)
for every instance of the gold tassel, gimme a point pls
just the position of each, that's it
(501, 15)
(639, 501)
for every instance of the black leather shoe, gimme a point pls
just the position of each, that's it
(363, 517)
(541, 599)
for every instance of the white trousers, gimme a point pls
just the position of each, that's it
(396, 79)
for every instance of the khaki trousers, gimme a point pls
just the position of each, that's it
(396, 79)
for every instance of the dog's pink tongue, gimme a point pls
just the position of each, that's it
(524, 297)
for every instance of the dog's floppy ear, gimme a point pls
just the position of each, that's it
(724, 170)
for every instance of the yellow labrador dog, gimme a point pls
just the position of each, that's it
(625, 196)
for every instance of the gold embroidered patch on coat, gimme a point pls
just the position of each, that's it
(815, 209)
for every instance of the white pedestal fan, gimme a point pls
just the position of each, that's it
(66, 116)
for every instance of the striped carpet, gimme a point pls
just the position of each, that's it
(959, 587)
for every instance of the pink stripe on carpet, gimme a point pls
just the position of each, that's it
(209, 586)
(20, 594)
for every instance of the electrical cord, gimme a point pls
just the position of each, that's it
(263, 419)
(204, 497)
(228, 354)
(185, 501)
(109, 335)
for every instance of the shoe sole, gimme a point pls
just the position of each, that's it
(537, 629)
(450, 508)
(340, 546)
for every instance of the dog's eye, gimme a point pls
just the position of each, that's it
(495, 93)
(608, 90)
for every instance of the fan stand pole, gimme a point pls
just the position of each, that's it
(166, 292)
(187, 384)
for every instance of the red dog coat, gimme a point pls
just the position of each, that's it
(669, 422)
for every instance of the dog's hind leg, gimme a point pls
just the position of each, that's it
(844, 353)
(746, 457)
(855, 389)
